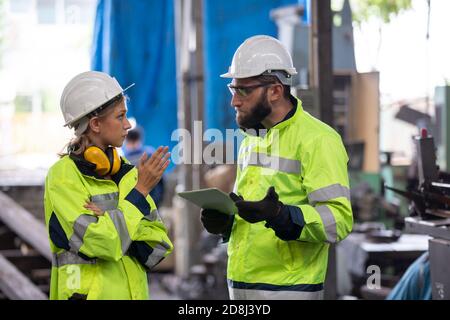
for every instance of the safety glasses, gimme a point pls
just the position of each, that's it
(244, 91)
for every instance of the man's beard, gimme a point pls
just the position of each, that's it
(258, 113)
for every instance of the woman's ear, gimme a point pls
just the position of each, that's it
(94, 124)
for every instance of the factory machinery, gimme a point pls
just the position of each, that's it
(430, 212)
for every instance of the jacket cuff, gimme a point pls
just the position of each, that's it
(288, 224)
(296, 215)
(139, 201)
(149, 257)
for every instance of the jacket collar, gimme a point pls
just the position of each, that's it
(292, 116)
(88, 168)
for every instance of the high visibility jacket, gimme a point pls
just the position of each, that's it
(104, 257)
(306, 162)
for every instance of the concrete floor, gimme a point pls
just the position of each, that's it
(157, 290)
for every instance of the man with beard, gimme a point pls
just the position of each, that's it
(291, 189)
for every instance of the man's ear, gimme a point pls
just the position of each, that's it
(94, 124)
(276, 92)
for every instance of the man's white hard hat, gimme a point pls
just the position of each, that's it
(261, 55)
(86, 93)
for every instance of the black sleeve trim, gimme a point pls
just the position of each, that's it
(139, 201)
(57, 234)
(59, 238)
(141, 251)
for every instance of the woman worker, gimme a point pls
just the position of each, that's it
(104, 229)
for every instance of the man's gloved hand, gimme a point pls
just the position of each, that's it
(215, 222)
(256, 211)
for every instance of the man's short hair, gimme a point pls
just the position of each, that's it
(267, 79)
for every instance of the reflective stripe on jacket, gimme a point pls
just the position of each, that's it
(306, 162)
(103, 257)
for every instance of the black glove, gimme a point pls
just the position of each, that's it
(216, 222)
(256, 211)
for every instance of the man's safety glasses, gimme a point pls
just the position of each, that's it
(244, 91)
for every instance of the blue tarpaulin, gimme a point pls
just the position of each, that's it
(134, 41)
(227, 25)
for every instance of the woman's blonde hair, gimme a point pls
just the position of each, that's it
(79, 144)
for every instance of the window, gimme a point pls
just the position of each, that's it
(46, 11)
(78, 11)
(20, 6)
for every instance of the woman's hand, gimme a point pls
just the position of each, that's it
(151, 170)
(94, 208)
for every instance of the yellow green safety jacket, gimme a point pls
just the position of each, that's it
(306, 162)
(105, 257)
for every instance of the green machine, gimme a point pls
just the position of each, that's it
(442, 136)
(370, 200)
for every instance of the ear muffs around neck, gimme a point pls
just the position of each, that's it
(106, 162)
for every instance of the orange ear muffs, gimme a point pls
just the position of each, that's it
(106, 162)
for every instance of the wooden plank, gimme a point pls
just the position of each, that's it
(25, 225)
(17, 253)
(15, 285)
(26, 262)
(41, 274)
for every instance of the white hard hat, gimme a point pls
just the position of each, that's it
(86, 93)
(261, 55)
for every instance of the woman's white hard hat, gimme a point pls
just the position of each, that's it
(86, 93)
